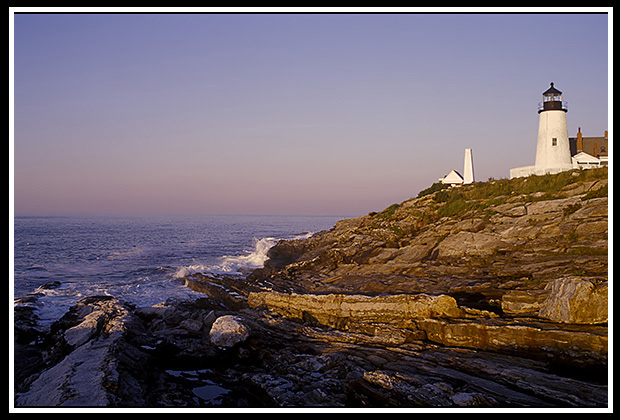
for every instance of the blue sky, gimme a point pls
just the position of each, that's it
(285, 113)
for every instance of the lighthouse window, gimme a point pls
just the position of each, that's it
(554, 141)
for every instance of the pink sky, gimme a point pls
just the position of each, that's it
(284, 114)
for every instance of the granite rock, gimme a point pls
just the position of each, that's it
(577, 301)
(228, 331)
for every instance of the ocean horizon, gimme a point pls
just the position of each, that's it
(140, 259)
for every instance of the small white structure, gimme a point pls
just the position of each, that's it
(553, 148)
(455, 179)
(468, 167)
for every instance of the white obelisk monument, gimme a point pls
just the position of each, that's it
(468, 168)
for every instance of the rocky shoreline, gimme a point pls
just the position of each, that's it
(457, 298)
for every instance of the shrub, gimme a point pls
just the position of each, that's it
(387, 213)
(437, 186)
(443, 196)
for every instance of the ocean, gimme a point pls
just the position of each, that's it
(140, 259)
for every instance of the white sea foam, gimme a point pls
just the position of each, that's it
(191, 269)
(254, 259)
(238, 264)
(233, 264)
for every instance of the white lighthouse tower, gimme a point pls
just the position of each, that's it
(553, 148)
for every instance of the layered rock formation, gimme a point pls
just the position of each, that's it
(472, 243)
(165, 356)
(489, 295)
(342, 310)
(440, 320)
(458, 238)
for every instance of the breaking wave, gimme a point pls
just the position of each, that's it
(254, 259)
(238, 265)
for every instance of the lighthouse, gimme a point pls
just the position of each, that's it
(553, 153)
(553, 148)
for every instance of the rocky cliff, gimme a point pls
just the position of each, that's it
(480, 240)
(522, 262)
(488, 295)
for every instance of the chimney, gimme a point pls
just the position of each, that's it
(579, 140)
(605, 133)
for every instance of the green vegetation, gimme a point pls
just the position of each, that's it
(549, 185)
(385, 214)
(437, 186)
(455, 202)
(405, 219)
(389, 212)
(601, 192)
(480, 195)
(587, 250)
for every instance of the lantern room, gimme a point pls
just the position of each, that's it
(552, 101)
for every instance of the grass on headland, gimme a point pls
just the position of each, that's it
(480, 195)
(550, 184)
(400, 220)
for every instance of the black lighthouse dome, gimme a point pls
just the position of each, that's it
(552, 100)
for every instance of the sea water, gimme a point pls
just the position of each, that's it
(142, 260)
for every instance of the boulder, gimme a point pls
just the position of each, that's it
(228, 331)
(576, 301)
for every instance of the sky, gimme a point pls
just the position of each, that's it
(335, 114)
